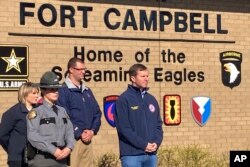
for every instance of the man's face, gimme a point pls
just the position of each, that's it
(141, 79)
(78, 71)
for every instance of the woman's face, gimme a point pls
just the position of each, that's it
(51, 95)
(32, 97)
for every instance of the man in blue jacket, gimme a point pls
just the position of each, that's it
(83, 110)
(138, 122)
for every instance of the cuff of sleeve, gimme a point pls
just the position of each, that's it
(77, 133)
(143, 145)
(71, 146)
(52, 149)
(94, 131)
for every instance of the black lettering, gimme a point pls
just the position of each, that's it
(69, 16)
(185, 74)
(110, 75)
(101, 55)
(192, 76)
(106, 18)
(139, 56)
(24, 13)
(129, 16)
(97, 76)
(180, 22)
(206, 25)
(163, 53)
(168, 76)
(53, 15)
(118, 56)
(81, 53)
(58, 71)
(147, 51)
(93, 58)
(107, 55)
(169, 56)
(158, 74)
(181, 57)
(85, 10)
(194, 22)
(178, 77)
(87, 76)
(201, 77)
(123, 75)
(219, 29)
(164, 22)
(151, 22)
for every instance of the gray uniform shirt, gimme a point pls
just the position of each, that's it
(45, 128)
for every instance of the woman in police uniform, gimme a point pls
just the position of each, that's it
(50, 130)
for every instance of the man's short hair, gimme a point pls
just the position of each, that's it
(72, 62)
(135, 68)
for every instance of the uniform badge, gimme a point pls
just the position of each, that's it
(32, 114)
(151, 107)
(134, 107)
(66, 115)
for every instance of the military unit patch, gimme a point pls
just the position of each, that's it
(109, 108)
(231, 68)
(172, 109)
(201, 109)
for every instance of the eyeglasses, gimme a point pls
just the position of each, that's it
(80, 69)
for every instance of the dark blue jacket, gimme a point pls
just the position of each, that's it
(138, 121)
(81, 107)
(13, 132)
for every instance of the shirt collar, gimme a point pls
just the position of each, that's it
(47, 104)
(144, 91)
(70, 84)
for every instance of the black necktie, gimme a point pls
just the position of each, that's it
(55, 109)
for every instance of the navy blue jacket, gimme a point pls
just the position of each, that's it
(81, 106)
(13, 132)
(138, 121)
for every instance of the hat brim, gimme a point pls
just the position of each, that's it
(50, 86)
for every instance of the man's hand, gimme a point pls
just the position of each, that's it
(87, 135)
(151, 147)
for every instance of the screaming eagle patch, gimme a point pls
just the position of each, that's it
(231, 68)
(32, 114)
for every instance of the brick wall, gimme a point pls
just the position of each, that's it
(228, 127)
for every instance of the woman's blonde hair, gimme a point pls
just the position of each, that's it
(25, 89)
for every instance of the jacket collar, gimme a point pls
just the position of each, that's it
(136, 89)
(23, 107)
(70, 85)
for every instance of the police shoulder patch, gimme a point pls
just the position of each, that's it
(32, 114)
(66, 115)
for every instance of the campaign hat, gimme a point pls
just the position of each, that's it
(49, 80)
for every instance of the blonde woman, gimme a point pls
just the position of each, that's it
(13, 126)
